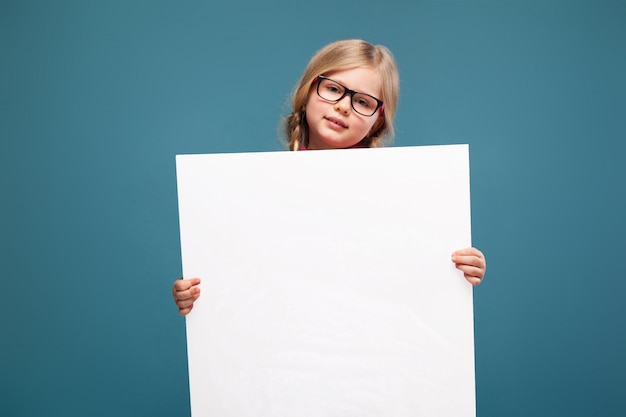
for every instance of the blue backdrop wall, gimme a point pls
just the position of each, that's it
(96, 99)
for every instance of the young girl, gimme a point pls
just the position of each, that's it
(346, 98)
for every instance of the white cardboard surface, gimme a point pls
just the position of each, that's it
(327, 287)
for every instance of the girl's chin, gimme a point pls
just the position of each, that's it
(329, 143)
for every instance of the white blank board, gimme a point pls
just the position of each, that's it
(327, 286)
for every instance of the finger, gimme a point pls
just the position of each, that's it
(473, 280)
(469, 260)
(185, 303)
(190, 294)
(185, 284)
(185, 311)
(471, 270)
(469, 252)
(181, 285)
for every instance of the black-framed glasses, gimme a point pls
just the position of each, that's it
(333, 91)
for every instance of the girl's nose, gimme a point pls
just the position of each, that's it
(344, 105)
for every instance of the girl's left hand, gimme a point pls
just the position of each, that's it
(472, 262)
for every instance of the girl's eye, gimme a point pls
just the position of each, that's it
(363, 102)
(331, 88)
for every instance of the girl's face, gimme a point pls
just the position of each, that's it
(335, 125)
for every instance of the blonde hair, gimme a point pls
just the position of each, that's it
(337, 56)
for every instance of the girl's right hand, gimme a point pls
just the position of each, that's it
(185, 292)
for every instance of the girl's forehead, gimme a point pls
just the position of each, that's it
(362, 79)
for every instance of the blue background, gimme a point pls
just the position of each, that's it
(96, 99)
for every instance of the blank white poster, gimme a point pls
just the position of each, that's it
(327, 286)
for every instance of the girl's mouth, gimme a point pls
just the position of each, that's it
(337, 122)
